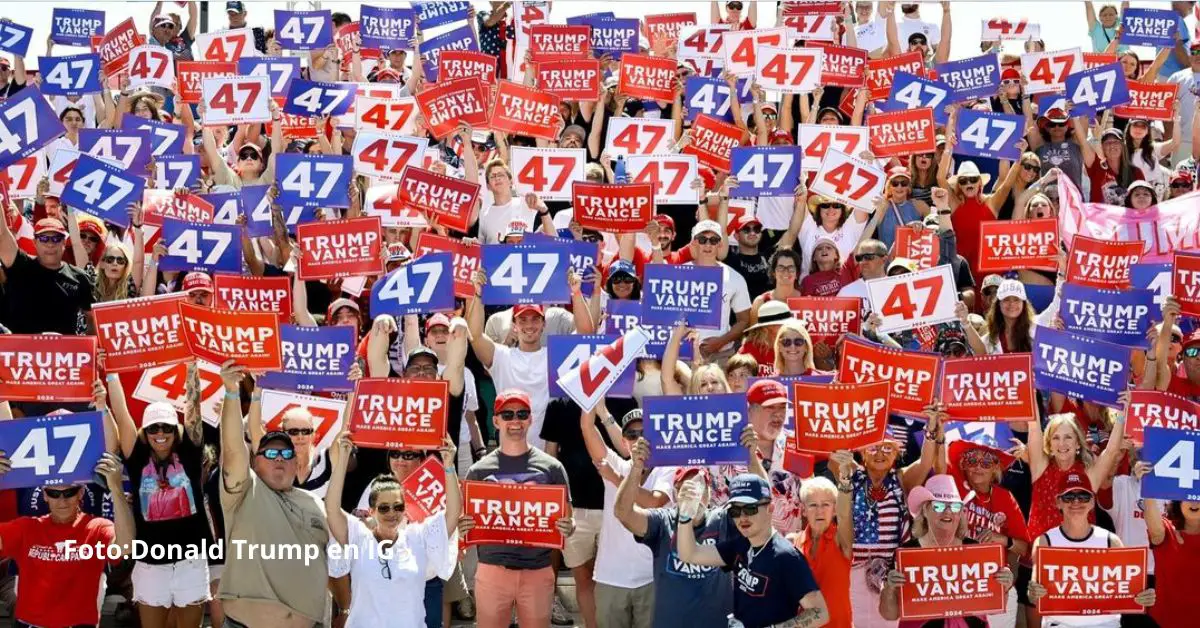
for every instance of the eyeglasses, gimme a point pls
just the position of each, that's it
(385, 569)
(749, 510)
(114, 259)
(866, 257)
(1191, 352)
(406, 455)
(751, 229)
(881, 449)
(917, 41)
(429, 370)
(1076, 497)
(275, 454)
(300, 431)
(1031, 167)
(61, 493)
(1057, 125)
(968, 180)
(900, 184)
(787, 270)
(51, 238)
(632, 434)
(1010, 82)
(940, 507)
(514, 415)
(980, 459)
(926, 156)
(824, 206)
(702, 240)
(792, 342)
(158, 428)
(384, 509)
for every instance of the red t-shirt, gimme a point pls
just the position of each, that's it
(1174, 567)
(641, 258)
(764, 355)
(1182, 386)
(823, 283)
(998, 512)
(1100, 175)
(1043, 509)
(57, 588)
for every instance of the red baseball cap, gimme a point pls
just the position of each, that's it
(436, 320)
(1075, 482)
(512, 395)
(767, 392)
(528, 307)
(1192, 340)
(197, 281)
(665, 221)
(49, 225)
(742, 220)
(683, 473)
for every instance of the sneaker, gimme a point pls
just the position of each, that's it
(559, 615)
(465, 609)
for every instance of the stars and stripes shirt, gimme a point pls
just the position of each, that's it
(878, 525)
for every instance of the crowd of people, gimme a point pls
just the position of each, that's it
(756, 545)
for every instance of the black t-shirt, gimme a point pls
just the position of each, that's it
(963, 280)
(39, 300)
(766, 590)
(562, 427)
(168, 497)
(753, 269)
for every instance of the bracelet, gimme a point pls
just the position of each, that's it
(844, 488)
(450, 469)
(232, 394)
(683, 519)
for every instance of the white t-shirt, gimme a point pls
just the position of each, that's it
(775, 212)
(735, 297)
(620, 560)
(906, 26)
(1128, 516)
(494, 220)
(513, 368)
(872, 35)
(857, 288)
(846, 237)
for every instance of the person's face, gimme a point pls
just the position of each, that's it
(919, 44)
(785, 269)
(750, 234)
(631, 432)
(402, 462)
(166, 32)
(498, 179)
(900, 187)
(250, 161)
(1041, 208)
(1195, 61)
(944, 522)
(819, 510)
(830, 213)
(1012, 87)
(236, 20)
(63, 500)
(1012, 307)
(346, 316)
(113, 264)
(1112, 151)
(392, 234)
(73, 121)
(529, 327)
(829, 118)
(1108, 16)
(1058, 131)
(771, 117)
(280, 473)
(512, 421)
(1077, 503)
(142, 109)
(1141, 198)
(299, 426)
(436, 337)
(50, 248)
(160, 437)
(421, 367)
(735, 12)
(1179, 188)
(1129, 65)
(1030, 170)
(979, 466)
(706, 244)
(710, 383)
(1137, 131)
(870, 263)
(792, 346)
(1063, 444)
(622, 286)
(1191, 363)
(969, 186)
(393, 503)
(768, 420)
(1190, 511)
(863, 11)
(739, 379)
(396, 60)
(571, 141)
(751, 525)
(881, 457)
(200, 297)
(666, 236)
(909, 8)
(90, 241)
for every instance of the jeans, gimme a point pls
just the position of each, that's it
(433, 602)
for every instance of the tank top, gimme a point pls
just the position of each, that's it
(966, 220)
(1043, 511)
(1096, 539)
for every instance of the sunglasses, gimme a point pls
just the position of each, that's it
(900, 184)
(384, 509)
(406, 455)
(770, 116)
(90, 237)
(980, 459)
(61, 493)
(824, 206)
(1057, 125)
(793, 342)
(249, 154)
(158, 428)
(275, 454)
(591, 239)
(51, 238)
(968, 180)
(632, 434)
(866, 257)
(624, 279)
(1191, 352)
(702, 240)
(751, 229)
(884, 449)
(514, 415)
(734, 6)
(1031, 167)
(1180, 186)
(1076, 497)
(428, 370)
(300, 431)
(114, 259)
(738, 510)
(940, 507)
(1009, 82)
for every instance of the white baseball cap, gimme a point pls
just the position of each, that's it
(706, 225)
(160, 412)
(1011, 288)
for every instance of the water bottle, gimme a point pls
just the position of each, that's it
(619, 170)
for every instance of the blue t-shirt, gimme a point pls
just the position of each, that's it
(707, 592)
(767, 590)
(1173, 65)
(894, 217)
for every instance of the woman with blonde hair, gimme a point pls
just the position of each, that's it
(702, 379)
(758, 341)
(794, 349)
(116, 275)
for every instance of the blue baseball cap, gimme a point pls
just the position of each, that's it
(235, 7)
(622, 267)
(748, 488)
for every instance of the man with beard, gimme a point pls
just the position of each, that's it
(42, 293)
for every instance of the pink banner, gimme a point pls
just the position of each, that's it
(1170, 226)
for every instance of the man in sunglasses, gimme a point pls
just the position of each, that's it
(772, 581)
(747, 257)
(733, 15)
(1054, 145)
(870, 257)
(43, 293)
(165, 32)
(707, 240)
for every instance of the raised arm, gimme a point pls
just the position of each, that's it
(670, 385)
(126, 429)
(484, 348)
(845, 518)
(235, 460)
(943, 50)
(632, 516)
(915, 474)
(339, 456)
(124, 531)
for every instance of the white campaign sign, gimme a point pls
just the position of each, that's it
(740, 47)
(210, 403)
(818, 139)
(24, 175)
(386, 155)
(913, 300)
(236, 100)
(1048, 71)
(548, 172)
(672, 175)
(326, 414)
(789, 70)
(850, 180)
(62, 164)
(383, 115)
(229, 45)
(639, 136)
(999, 28)
(153, 66)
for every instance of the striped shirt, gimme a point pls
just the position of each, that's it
(878, 525)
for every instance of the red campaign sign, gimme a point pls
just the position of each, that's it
(331, 249)
(466, 259)
(811, 7)
(448, 199)
(798, 464)
(843, 67)
(244, 293)
(643, 76)
(989, 387)
(912, 376)
(249, 338)
(556, 42)
(514, 514)
(449, 102)
(522, 110)
(902, 133)
(666, 27)
(190, 76)
(1090, 581)
(160, 204)
(951, 581)
(1101, 263)
(47, 368)
(136, 334)
(460, 64)
(613, 208)
(713, 142)
(1151, 408)
(881, 71)
(1096, 59)
(425, 490)
(1153, 101)
(296, 126)
(925, 249)
(832, 417)
(577, 79)
(114, 46)
(1185, 282)
(399, 413)
(828, 318)
(1006, 245)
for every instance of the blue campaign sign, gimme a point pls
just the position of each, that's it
(910, 91)
(695, 430)
(1097, 89)
(319, 98)
(624, 314)
(60, 449)
(434, 13)
(972, 430)
(766, 170)
(386, 28)
(130, 148)
(27, 123)
(976, 77)
(461, 38)
(303, 30)
(1117, 316)
(526, 273)
(1157, 278)
(421, 286)
(280, 71)
(75, 27)
(582, 257)
(587, 18)
(103, 189)
(313, 180)
(315, 359)
(176, 171)
(75, 75)
(1173, 454)
(1149, 27)
(256, 205)
(711, 97)
(1081, 367)
(683, 293)
(614, 36)
(565, 352)
(200, 246)
(15, 38)
(989, 135)
(165, 138)
(226, 206)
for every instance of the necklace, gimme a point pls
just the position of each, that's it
(752, 553)
(876, 493)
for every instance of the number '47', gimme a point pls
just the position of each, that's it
(899, 302)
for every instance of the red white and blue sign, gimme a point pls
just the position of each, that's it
(27, 124)
(581, 258)
(313, 180)
(303, 30)
(612, 36)
(165, 138)
(1097, 89)
(74, 75)
(765, 170)
(103, 190)
(200, 246)
(315, 359)
(996, 431)
(1157, 278)
(319, 98)
(565, 352)
(1173, 454)
(695, 430)
(910, 91)
(226, 206)
(625, 314)
(988, 135)
(386, 28)
(59, 449)
(75, 27)
(176, 171)
(1117, 316)
(421, 286)
(533, 273)
(130, 147)
(1149, 27)
(976, 77)
(15, 38)
(279, 70)
(692, 294)
(1080, 367)
(462, 38)
(711, 96)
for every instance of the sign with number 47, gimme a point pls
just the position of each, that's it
(850, 180)
(1173, 454)
(914, 300)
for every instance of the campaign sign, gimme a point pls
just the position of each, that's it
(22, 177)
(75, 27)
(158, 205)
(691, 294)
(843, 67)
(176, 171)
(713, 142)
(765, 170)
(47, 368)
(880, 72)
(988, 387)
(711, 96)
(951, 581)
(1102, 263)
(74, 75)
(613, 35)
(465, 259)
(135, 334)
(828, 318)
(27, 124)
(58, 449)
(1185, 282)
(624, 314)
(314, 359)
(326, 413)
(15, 38)
(249, 338)
(911, 91)
(671, 175)
(241, 100)
(152, 66)
(913, 300)
(462, 38)
(924, 249)
(1081, 367)
(114, 46)
(613, 208)
(695, 430)
(789, 70)
(380, 115)
(331, 249)
(1152, 101)
(247, 293)
(421, 286)
(650, 78)
(913, 376)
(741, 47)
(129, 147)
(425, 490)
(303, 30)
(318, 98)
(1149, 27)
(976, 77)
(256, 206)
(556, 42)
(448, 103)
(460, 64)
(639, 136)
(582, 257)
(525, 273)
(399, 413)
(1152, 408)
(1015, 244)
(445, 199)
(831, 417)
(434, 13)
(901, 133)
(165, 138)
(1118, 316)
(1000, 28)
(313, 180)
(548, 172)
(386, 28)
(200, 246)
(849, 179)
(667, 26)
(279, 72)
(819, 139)
(169, 384)
(227, 45)
(1096, 89)
(103, 190)
(514, 514)
(386, 155)
(988, 135)
(1087, 581)
(1048, 71)
(573, 79)
(523, 110)
(1173, 453)
(568, 352)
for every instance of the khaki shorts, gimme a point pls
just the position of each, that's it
(581, 545)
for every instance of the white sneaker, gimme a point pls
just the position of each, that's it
(559, 615)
